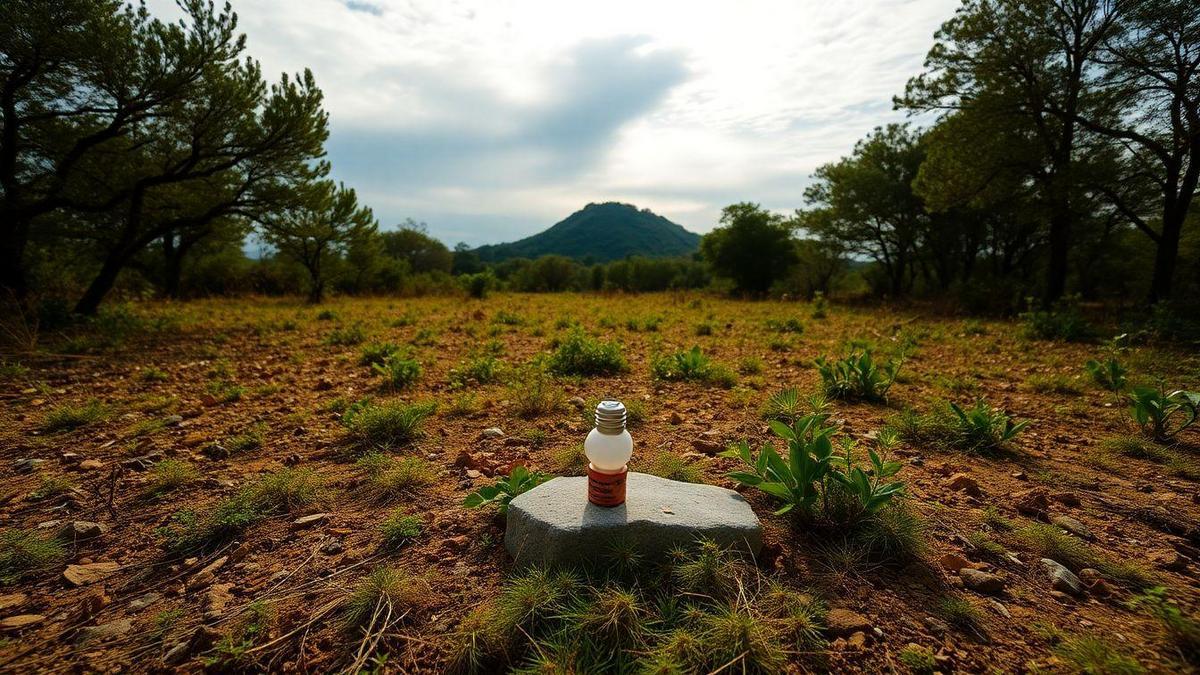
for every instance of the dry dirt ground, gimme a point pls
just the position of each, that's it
(175, 379)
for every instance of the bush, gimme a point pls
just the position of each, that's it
(346, 337)
(580, 354)
(1062, 322)
(534, 393)
(1153, 410)
(479, 369)
(857, 376)
(24, 553)
(386, 425)
(69, 417)
(398, 372)
(691, 366)
(400, 528)
(377, 353)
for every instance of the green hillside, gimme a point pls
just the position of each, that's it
(603, 232)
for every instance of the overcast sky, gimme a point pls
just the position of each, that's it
(493, 120)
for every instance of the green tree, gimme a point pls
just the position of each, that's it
(866, 202)
(412, 243)
(752, 246)
(1022, 64)
(317, 229)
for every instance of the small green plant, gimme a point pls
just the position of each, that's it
(795, 480)
(1096, 656)
(983, 428)
(785, 405)
(1049, 541)
(751, 365)
(1181, 629)
(666, 464)
(569, 460)
(400, 528)
(820, 306)
(1110, 374)
(691, 366)
(1063, 321)
(24, 553)
(480, 369)
(1154, 410)
(959, 613)
(918, 659)
(169, 475)
(346, 337)
(788, 325)
(872, 489)
(387, 591)
(377, 353)
(518, 481)
(153, 374)
(326, 315)
(534, 393)
(704, 329)
(582, 355)
(388, 477)
(857, 376)
(386, 425)
(52, 486)
(225, 391)
(69, 417)
(232, 653)
(398, 372)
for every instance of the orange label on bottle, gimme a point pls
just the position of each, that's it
(606, 489)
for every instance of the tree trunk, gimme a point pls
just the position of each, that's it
(1165, 255)
(1060, 248)
(12, 262)
(101, 285)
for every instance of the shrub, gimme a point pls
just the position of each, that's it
(788, 325)
(580, 354)
(386, 425)
(983, 427)
(666, 464)
(518, 481)
(785, 405)
(387, 591)
(534, 393)
(69, 417)
(398, 372)
(377, 353)
(1110, 375)
(918, 659)
(152, 374)
(400, 528)
(1154, 410)
(24, 553)
(346, 337)
(170, 474)
(691, 366)
(857, 376)
(480, 369)
(388, 477)
(1062, 322)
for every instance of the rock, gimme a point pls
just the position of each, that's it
(857, 640)
(177, 654)
(138, 604)
(577, 401)
(1066, 498)
(676, 418)
(554, 523)
(1073, 526)
(1000, 608)
(324, 384)
(709, 443)
(1062, 579)
(333, 548)
(27, 465)
(310, 520)
(172, 420)
(981, 582)
(217, 597)
(10, 600)
(21, 621)
(493, 432)
(103, 631)
(952, 563)
(1095, 583)
(961, 482)
(207, 575)
(81, 530)
(81, 575)
(91, 465)
(844, 622)
(1033, 502)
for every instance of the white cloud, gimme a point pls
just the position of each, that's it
(492, 120)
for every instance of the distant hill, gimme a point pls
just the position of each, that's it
(603, 232)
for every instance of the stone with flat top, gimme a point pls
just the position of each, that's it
(555, 524)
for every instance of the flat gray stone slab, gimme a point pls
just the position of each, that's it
(554, 523)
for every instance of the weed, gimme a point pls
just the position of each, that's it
(1096, 656)
(820, 306)
(225, 391)
(666, 464)
(1154, 409)
(1062, 322)
(857, 376)
(580, 354)
(735, 634)
(377, 353)
(569, 460)
(152, 374)
(1181, 629)
(52, 486)
(750, 365)
(709, 570)
(326, 315)
(788, 325)
(983, 427)
(704, 329)
(24, 553)
(463, 405)
(1053, 384)
(691, 366)
(233, 651)
(1048, 541)
(346, 337)
(959, 613)
(68, 417)
(386, 425)
(1110, 374)
(388, 477)
(518, 481)
(479, 369)
(918, 659)
(400, 528)
(398, 372)
(168, 475)
(785, 405)
(534, 393)
(387, 592)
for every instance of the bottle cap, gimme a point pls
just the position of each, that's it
(610, 417)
